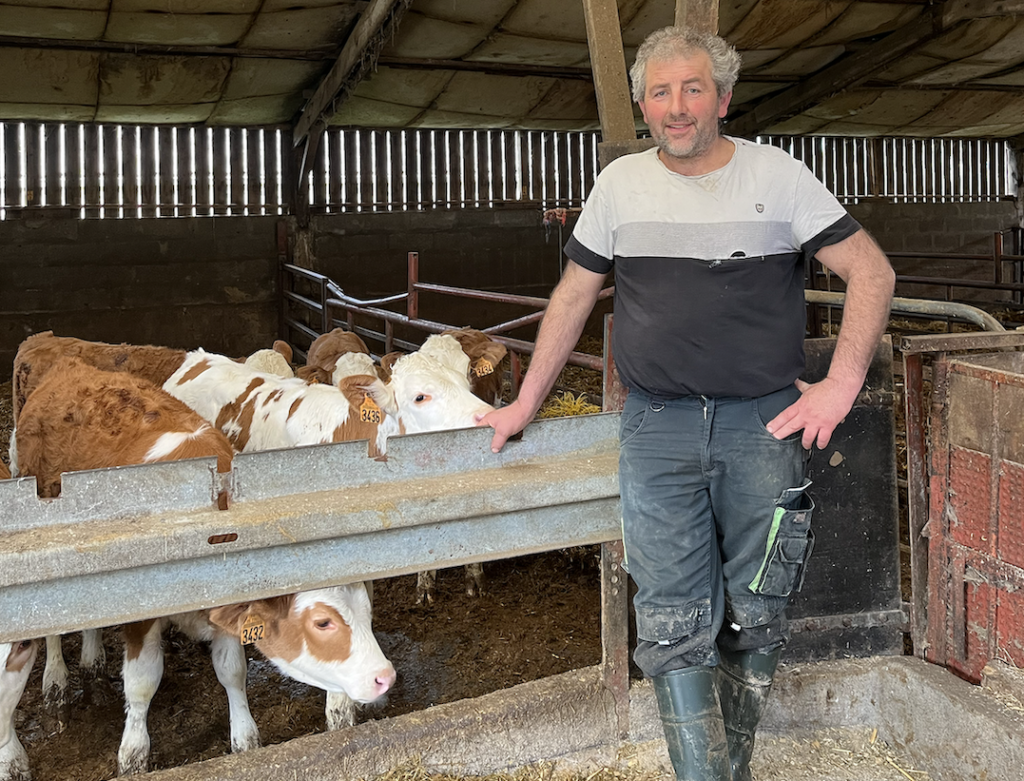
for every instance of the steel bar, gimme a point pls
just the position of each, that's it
(971, 314)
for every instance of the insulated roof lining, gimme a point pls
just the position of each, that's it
(256, 62)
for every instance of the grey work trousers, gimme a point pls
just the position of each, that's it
(715, 522)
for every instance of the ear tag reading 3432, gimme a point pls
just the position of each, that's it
(253, 629)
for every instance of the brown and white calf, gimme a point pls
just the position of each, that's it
(80, 417)
(481, 357)
(16, 660)
(259, 411)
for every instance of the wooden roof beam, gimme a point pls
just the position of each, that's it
(358, 55)
(861, 65)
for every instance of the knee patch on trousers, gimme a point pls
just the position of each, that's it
(670, 638)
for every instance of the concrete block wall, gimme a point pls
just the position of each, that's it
(965, 228)
(204, 282)
(506, 250)
(213, 281)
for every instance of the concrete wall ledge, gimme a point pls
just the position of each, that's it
(946, 726)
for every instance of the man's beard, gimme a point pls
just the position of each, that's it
(686, 149)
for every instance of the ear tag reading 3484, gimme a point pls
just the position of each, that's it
(483, 367)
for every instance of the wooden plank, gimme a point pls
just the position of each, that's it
(318, 171)
(220, 171)
(336, 175)
(111, 171)
(33, 156)
(255, 175)
(604, 37)
(13, 192)
(92, 164)
(204, 169)
(185, 154)
(353, 170)
(149, 166)
(411, 196)
(396, 158)
(427, 183)
(74, 154)
(52, 158)
(130, 167)
(238, 194)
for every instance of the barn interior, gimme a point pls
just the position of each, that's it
(170, 168)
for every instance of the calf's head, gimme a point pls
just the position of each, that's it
(320, 637)
(429, 392)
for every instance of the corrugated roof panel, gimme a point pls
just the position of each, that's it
(454, 120)
(251, 77)
(502, 96)
(49, 77)
(651, 16)
(988, 49)
(47, 112)
(504, 47)
(878, 107)
(180, 29)
(366, 112)
(72, 24)
(405, 86)
(87, 5)
(482, 12)
(423, 36)
(964, 107)
(566, 100)
(547, 20)
(263, 110)
(865, 20)
(130, 80)
(186, 6)
(731, 13)
(155, 114)
(301, 28)
(802, 60)
(785, 24)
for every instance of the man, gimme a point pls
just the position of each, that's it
(708, 236)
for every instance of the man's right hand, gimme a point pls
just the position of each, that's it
(506, 422)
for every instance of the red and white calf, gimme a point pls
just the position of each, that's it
(481, 358)
(83, 418)
(16, 660)
(259, 411)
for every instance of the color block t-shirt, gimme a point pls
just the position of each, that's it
(709, 270)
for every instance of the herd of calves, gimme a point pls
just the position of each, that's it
(88, 405)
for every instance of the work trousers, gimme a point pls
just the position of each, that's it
(715, 523)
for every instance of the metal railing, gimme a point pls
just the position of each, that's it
(323, 298)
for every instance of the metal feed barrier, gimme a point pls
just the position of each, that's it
(130, 543)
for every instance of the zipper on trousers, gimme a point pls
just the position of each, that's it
(704, 405)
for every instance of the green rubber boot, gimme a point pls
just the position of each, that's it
(692, 718)
(744, 681)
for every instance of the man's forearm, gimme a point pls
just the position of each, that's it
(571, 304)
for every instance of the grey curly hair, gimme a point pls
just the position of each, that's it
(672, 41)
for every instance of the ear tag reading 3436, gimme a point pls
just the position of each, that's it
(369, 412)
(253, 629)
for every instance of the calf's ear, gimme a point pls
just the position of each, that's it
(359, 386)
(230, 618)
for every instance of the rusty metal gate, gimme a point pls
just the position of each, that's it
(969, 515)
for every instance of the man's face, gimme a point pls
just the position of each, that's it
(681, 105)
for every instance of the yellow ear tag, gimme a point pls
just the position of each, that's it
(482, 367)
(253, 629)
(369, 412)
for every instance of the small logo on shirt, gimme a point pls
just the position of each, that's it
(759, 207)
